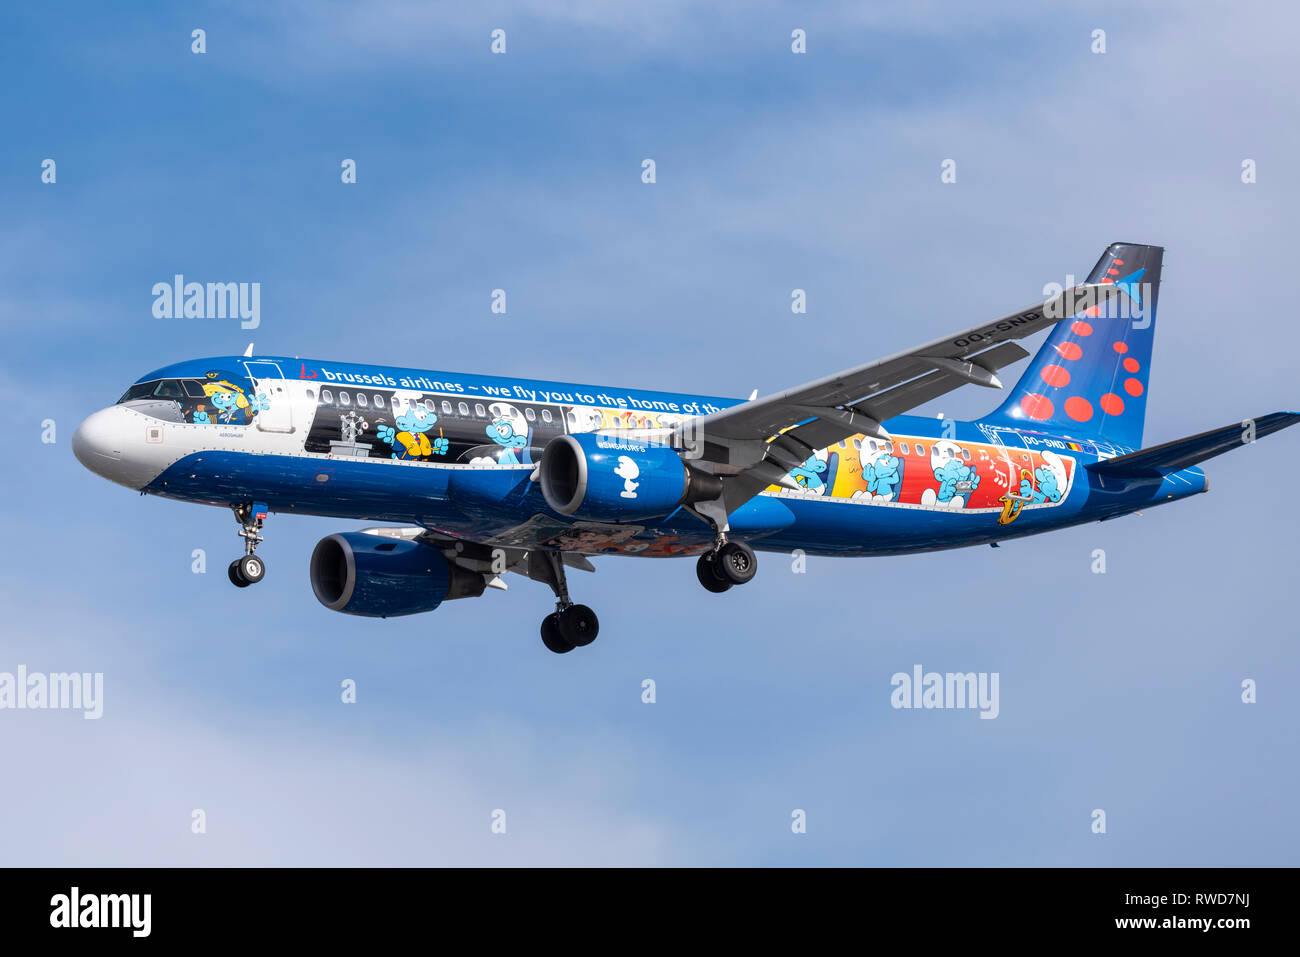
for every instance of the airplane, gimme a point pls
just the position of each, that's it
(487, 475)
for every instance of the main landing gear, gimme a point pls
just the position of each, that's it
(730, 563)
(569, 626)
(250, 569)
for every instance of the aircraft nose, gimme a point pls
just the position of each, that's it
(97, 443)
(100, 444)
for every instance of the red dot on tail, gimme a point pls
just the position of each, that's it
(1131, 365)
(1078, 408)
(1119, 262)
(1068, 350)
(1082, 328)
(1121, 347)
(1112, 404)
(1132, 386)
(1055, 375)
(1037, 406)
(1112, 272)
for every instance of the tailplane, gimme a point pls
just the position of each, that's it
(1184, 453)
(1089, 380)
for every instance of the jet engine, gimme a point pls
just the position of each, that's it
(610, 478)
(380, 577)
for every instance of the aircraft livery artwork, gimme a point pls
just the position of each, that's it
(480, 476)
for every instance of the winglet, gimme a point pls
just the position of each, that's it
(249, 351)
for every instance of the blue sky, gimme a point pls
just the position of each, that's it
(1118, 691)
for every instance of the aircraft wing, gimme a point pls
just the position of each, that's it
(756, 443)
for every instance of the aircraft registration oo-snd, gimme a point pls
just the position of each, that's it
(491, 475)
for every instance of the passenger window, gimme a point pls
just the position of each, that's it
(379, 402)
(965, 453)
(327, 396)
(464, 409)
(903, 447)
(345, 400)
(857, 444)
(362, 401)
(920, 449)
(428, 404)
(530, 415)
(546, 415)
(479, 410)
(889, 447)
(311, 395)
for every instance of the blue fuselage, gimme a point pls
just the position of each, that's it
(458, 454)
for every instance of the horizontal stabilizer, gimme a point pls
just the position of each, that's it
(1184, 453)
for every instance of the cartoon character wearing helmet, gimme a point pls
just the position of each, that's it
(230, 401)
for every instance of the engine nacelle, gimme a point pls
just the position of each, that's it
(381, 577)
(609, 478)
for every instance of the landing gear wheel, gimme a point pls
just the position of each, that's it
(736, 563)
(579, 625)
(707, 573)
(233, 572)
(250, 569)
(551, 636)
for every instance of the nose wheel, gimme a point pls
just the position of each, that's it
(246, 571)
(250, 569)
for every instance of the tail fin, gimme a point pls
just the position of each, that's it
(1089, 380)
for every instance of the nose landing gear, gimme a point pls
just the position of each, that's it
(250, 569)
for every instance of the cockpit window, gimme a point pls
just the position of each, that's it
(141, 390)
(220, 397)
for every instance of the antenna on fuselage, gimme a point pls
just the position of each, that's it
(249, 351)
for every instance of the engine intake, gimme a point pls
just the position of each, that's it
(609, 478)
(381, 577)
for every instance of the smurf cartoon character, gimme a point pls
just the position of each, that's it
(1049, 479)
(408, 438)
(956, 478)
(809, 475)
(230, 401)
(881, 470)
(628, 471)
(509, 429)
